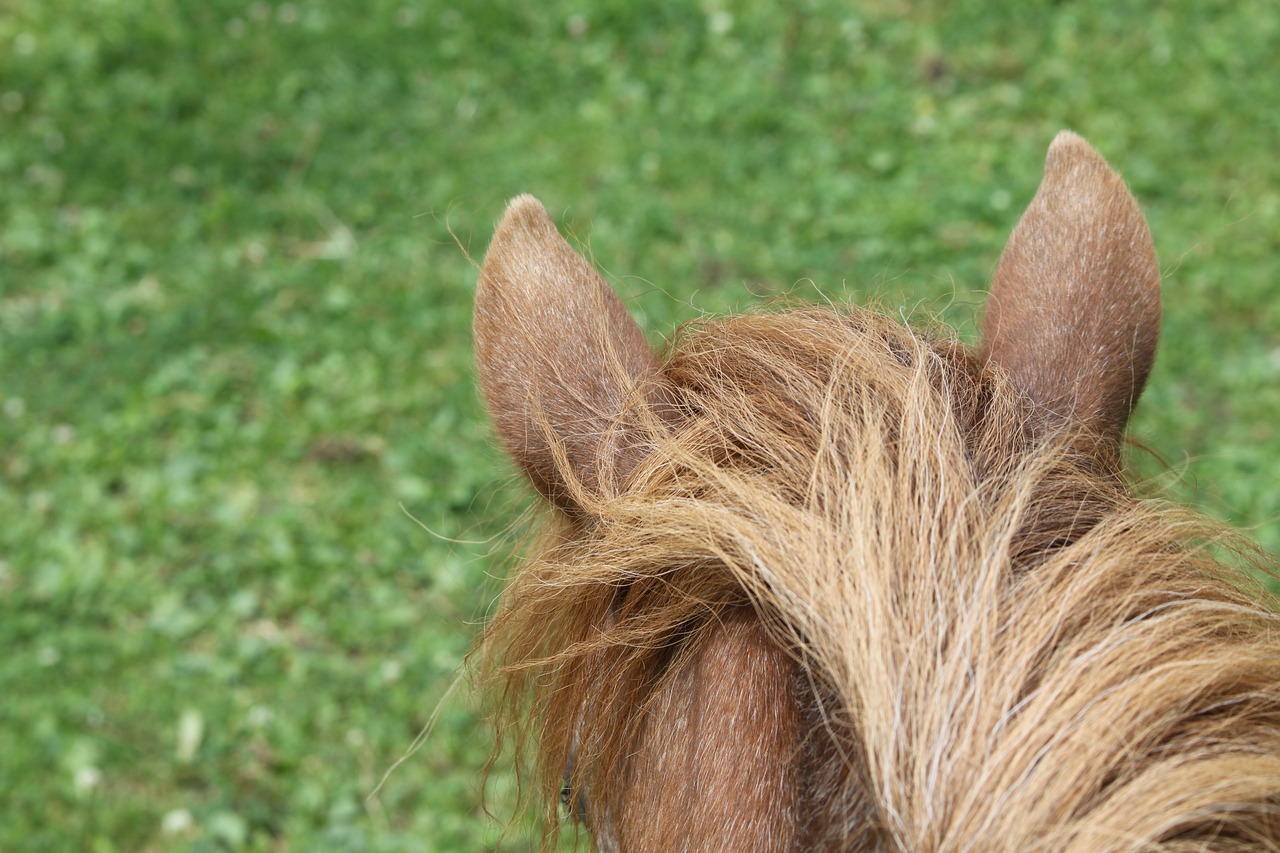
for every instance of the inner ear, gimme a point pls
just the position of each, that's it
(565, 371)
(1074, 313)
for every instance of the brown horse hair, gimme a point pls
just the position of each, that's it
(817, 580)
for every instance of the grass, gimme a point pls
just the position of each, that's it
(234, 334)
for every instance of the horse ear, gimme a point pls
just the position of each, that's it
(1074, 312)
(561, 363)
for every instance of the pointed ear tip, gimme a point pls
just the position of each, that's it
(1072, 145)
(1067, 137)
(525, 201)
(525, 221)
(524, 209)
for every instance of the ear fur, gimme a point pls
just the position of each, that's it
(560, 360)
(1074, 312)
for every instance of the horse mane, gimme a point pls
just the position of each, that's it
(954, 629)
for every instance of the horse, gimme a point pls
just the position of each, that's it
(814, 579)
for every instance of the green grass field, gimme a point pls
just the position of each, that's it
(250, 511)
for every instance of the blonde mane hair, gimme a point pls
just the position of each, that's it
(820, 581)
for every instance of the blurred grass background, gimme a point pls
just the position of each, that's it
(234, 333)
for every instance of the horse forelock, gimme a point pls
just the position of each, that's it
(849, 600)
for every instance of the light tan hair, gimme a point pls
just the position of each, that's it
(818, 581)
